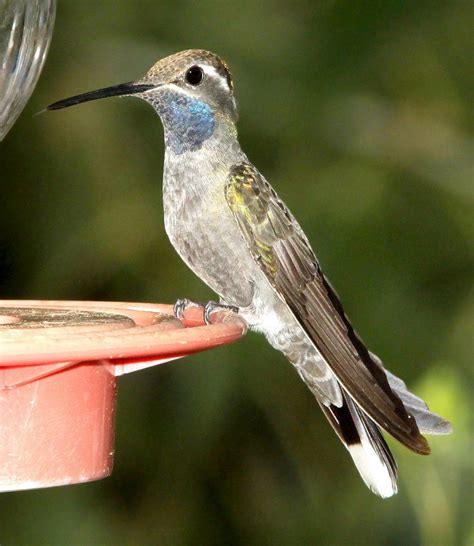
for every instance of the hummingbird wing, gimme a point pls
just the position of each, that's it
(280, 248)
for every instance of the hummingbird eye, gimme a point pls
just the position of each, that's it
(194, 75)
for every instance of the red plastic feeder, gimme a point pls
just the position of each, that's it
(59, 363)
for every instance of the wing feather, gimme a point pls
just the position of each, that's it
(280, 247)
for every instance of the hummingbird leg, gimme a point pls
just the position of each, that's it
(213, 307)
(183, 304)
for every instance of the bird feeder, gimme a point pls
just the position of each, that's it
(59, 366)
(26, 28)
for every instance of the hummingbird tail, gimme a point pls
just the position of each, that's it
(365, 443)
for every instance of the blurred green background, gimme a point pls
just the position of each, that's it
(360, 114)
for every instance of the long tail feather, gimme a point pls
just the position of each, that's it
(365, 443)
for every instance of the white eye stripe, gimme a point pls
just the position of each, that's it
(212, 72)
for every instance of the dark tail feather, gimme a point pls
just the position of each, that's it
(364, 441)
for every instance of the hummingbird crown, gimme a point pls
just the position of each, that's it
(176, 67)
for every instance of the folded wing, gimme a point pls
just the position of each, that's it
(284, 255)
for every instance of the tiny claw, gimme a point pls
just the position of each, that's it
(213, 307)
(182, 305)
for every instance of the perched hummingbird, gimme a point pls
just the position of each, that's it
(231, 228)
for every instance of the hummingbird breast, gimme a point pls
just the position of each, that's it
(201, 226)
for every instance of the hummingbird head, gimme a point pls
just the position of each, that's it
(196, 74)
(191, 90)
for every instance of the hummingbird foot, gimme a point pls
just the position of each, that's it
(183, 304)
(213, 307)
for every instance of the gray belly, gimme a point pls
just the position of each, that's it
(211, 245)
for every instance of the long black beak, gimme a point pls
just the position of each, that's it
(129, 88)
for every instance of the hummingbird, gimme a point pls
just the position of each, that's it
(232, 229)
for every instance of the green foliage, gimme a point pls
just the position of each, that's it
(360, 114)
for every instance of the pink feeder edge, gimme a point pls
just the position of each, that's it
(59, 364)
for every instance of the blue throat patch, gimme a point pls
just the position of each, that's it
(188, 122)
